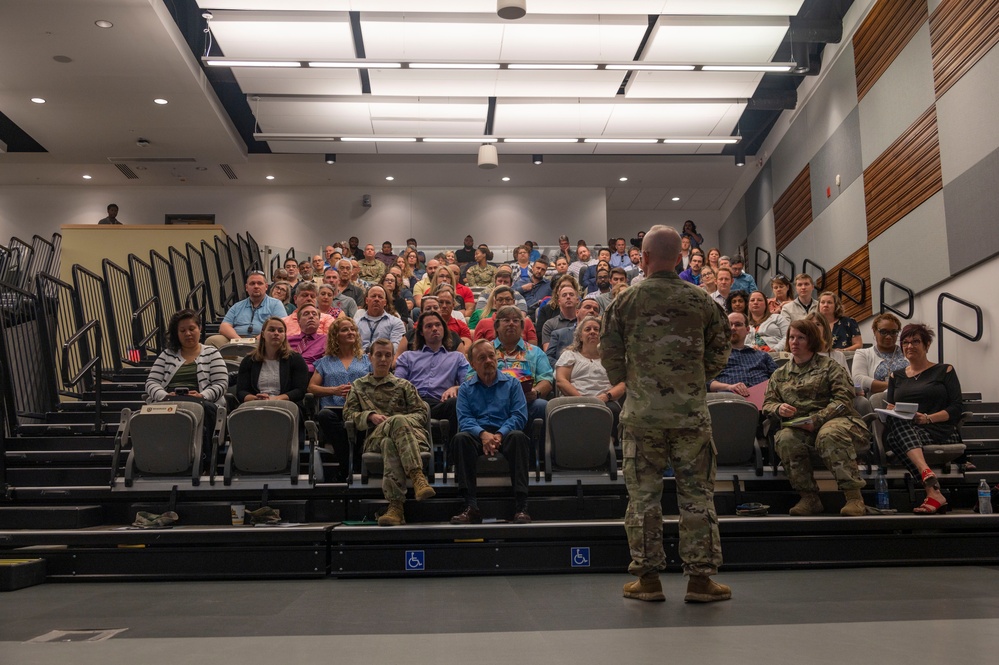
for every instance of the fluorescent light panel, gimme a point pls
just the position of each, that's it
(620, 140)
(253, 63)
(726, 140)
(374, 139)
(644, 67)
(454, 65)
(552, 66)
(357, 64)
(774, 67)
(482, 139)
(541, 140)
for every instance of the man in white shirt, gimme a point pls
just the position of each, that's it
(582, 261)
(374, 322)
(803, 304)
(723, 281)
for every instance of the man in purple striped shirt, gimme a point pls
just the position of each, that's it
(432, 369)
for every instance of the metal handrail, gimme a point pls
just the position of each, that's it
(140, 343)
(192, 303)
(804, 268)
(888, 308)
(790, 275)
(844, 294)
(941, 325)
(93, 364)
(757, 265)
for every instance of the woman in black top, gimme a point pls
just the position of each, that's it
(937, 391)
(273, 370)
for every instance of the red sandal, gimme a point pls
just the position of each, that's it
(930, 478)
(931, 506)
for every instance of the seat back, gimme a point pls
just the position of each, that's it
(733, 427)
(166, 438)
(236, 350)
(263, 436)
(579, 435)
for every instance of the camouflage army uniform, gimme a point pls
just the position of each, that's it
(371, 271)
(479, 276)
(822, 389)
(400, 438)
(666, 339)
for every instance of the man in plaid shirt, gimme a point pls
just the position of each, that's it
(746, 366)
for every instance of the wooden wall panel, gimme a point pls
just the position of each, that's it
(961, 32)
(881, 37)
(793, 210)
(858, 263)
(904, 175)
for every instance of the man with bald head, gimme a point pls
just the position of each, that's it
(666, 339)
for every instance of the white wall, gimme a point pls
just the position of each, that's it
(305, 217)
(627, 223)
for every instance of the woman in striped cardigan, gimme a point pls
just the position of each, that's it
(187, 363)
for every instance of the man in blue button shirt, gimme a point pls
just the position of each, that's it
(246, 318)
(746, 366)
(492, 415)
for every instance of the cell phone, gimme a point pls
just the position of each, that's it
(181, 391)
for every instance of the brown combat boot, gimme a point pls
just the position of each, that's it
(421, 488)
(647, 587)
(394, 516)
(810, 504)
(854, 504)
(701, 589)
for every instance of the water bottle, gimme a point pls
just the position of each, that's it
(881, 486)
(984, 498)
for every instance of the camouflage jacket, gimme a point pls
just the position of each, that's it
(479, 276)
(388, 396)
(371, 271)
(820, 388)
(665, 339)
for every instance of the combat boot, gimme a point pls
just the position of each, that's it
(394, 516)
(647, 587)
(854, 504)
(810, 504)
(421, 488)
(702, 589)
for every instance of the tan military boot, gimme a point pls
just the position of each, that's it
(647, 587)
(702, 589)
(810, 504)
(394, 516)
(854, 504)
(421, 488)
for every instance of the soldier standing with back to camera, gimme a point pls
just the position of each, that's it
(666, 339)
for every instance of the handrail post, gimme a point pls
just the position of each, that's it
(942, 325)
(780, 256)
(889, 308)
(758, 264)
(804, 268)
(844, 294)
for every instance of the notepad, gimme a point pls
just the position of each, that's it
(902, 410)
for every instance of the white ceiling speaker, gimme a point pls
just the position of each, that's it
(511, 9)
(488, 157)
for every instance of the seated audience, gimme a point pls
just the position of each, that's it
(536, 287)
(872, 366)
(435, 371)
(328, 304)
(618, 282)
(374, 321)
(737, 301)
(386, 256)
(767, 331)
(310, 340)
(781, 288)
(690, 229)
(291, 267)
(685, 253)
(246, 317)
(937, 392)
(602, 281)
(394, 419)
(305, 270)
(273, 370)
(400, 300)
(414, 269)
(635, 271)
(501, 296)
(467, 252)
(845, 331)
(492, 417)
(503, 278)
(564, 251)
(426, 282)
(444, 277)
(582, 261)
(451, 339)
(445, 298)
(465, 295)
(282, 291)
(803, 304)
(562, 338)
(564, 311)
(741, 281)
(480, 274)
(343, 363)
(620, 257)
(746, 366)
(709, 279)
(723, 286)
(306, 294)
(693, 272)
(371, 268)
(817, 389)
(579, 371)
(588, 277)
(714, 256)
(341, 301)
(195, 369)
(826, 345)
(345, 270)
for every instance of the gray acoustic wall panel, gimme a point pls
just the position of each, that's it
(733, 231)
(966, 118)
(971, 202)
(759, 197)
(839, 156)
(900, 96)
(913, 251)
(837, 233)
(763, 236)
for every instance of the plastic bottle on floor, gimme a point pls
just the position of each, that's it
(881, 486)
(984, 498)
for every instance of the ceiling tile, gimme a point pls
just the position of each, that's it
(257, 81)
(620, 198)
(693, 85)
(733, 7)
(700, 39)
(283, 35)
(649, 197)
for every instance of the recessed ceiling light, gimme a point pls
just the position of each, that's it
(270, 177)
(388, 177)
(506, 178)
(160, 101)
(104, 24)
(86, 177)
(623, 178)
(38, 100)
(675, 198)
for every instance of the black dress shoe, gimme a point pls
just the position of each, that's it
(468, 516)
(521, 517)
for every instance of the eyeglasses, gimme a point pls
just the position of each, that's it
(887, 333)
(912, 342)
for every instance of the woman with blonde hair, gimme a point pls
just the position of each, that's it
(579, 372)
(272, 370)
(845, 331)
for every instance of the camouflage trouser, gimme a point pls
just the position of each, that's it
(397, 441)
(647, 453)
(836, 443)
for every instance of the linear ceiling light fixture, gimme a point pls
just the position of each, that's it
(360, 63)
(620, 140)
(646, 67)
(353, 65)
(454, 65)
(253, 63)
(541, 140)
(691, 140)
(728, 140)
(774, 67)
(551, 65)
(373, 139)
(460, 140)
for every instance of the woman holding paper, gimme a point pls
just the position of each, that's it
(937, 392)
(813, 397)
